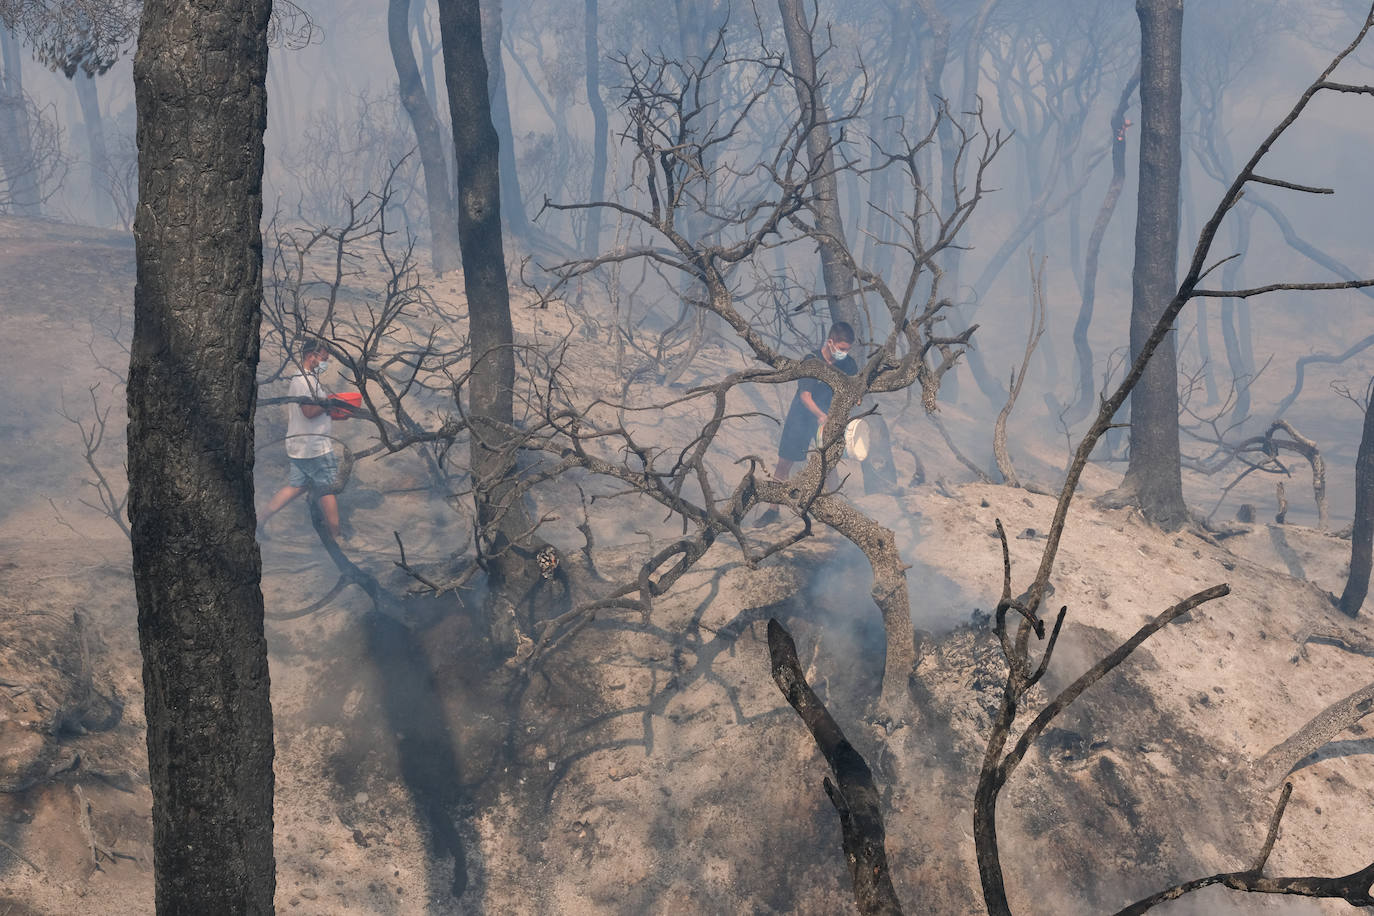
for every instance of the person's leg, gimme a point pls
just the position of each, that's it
(784, 468)
(330, 507)
(278, 502)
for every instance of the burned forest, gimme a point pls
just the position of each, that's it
(526, 457)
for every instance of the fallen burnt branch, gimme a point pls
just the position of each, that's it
(1283, 758)
(854, 794)
(1353, 888)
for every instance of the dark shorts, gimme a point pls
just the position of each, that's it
(798, 433)
(320, 471)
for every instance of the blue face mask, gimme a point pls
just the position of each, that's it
(321, 366)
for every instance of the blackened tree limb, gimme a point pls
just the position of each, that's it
(1330, 722)
(1102, 668)
(1308, 449)
(1353, 888)
(854, 793)
(997, 767)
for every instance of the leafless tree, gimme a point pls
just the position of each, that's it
(349, 154)
(771, 205)
(1025, 669)
(31, 171)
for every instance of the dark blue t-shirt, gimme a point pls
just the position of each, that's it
(820, 391)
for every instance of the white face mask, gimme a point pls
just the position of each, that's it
(836, 355)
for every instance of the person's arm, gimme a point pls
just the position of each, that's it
(810, 403)
(301, 388)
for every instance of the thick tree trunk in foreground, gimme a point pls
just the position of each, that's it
(1362, 537)
(1153, 480)
(443, 221)
(839, 279)
(199, 78)
(500, 515)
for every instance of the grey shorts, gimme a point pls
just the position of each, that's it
(320, 471)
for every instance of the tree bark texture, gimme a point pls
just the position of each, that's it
(1153, 478)
(500, 516)
(102, 200)
(1274, 766)
(443, 221)
(592, 241)
(20, 177)
(199, 78)
(839, 279)
(1362, 535)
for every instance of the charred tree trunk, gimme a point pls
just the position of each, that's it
(512, 198)
(592, 241)
(839, 279)
(19, 183)
(1235, 315)
(1362, 536)
(102, 200)
(500, 516)
(427, 51)
(192, 395)
(1153, 480)
(443, 221)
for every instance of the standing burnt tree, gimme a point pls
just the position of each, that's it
(443, 221)
(820, 146)
(1153, 478)
(504, 533)
(1362, 534)
(200, 81)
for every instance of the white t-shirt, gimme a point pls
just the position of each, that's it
(306, 437)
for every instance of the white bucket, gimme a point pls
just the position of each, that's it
(856, 438)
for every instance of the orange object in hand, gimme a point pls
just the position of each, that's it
(351, 398)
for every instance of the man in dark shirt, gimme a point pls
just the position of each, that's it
(812, 401)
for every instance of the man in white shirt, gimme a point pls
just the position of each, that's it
(309, 447)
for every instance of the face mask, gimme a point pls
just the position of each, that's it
(836, 355)
(321, 366)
